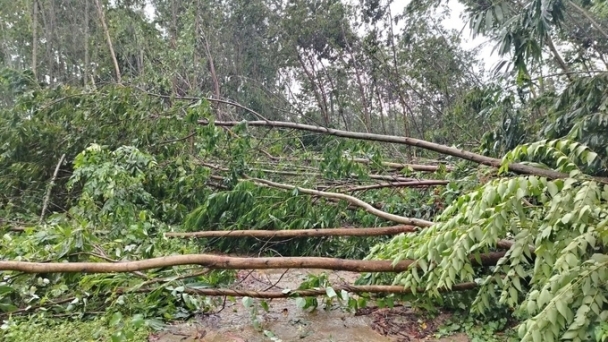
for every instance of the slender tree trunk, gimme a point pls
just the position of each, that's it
(558, 57)
(216, 84)
(195, 57)
(108, 40)
(321, 91)
(381, 107)
(34, 37)
(48, 36)
(366, 110)
(316, 91)
(86, 43)
(173, 41)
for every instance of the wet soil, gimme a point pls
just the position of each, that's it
(286, 322)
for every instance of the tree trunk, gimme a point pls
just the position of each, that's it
(86, 43)
(452, 151)
(108, 40)
(228, 263)
(311, 292)
(34, 37)
(291, 233)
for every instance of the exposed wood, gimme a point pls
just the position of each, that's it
(350, 199)
(225, 262)
(452, 151)
(269, 234)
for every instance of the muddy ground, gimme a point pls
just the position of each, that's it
(286, 322)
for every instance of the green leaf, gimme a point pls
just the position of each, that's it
(552, 188)
(247, 302)
(563, 309)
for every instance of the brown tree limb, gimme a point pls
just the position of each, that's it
(412, 184)
(350, 199)
(399, 166)
(225, 262)
(269, 234)
(452, 151)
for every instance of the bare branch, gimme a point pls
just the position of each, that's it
(269, 234)
(350, 199)
(224, 262)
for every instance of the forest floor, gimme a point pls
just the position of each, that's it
(289, 323)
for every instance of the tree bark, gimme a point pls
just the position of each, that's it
(227, 263)
(270, 234)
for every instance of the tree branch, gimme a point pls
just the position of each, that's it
(313, 292)
(350, 199)
(452, 151)
(269, 234)
(224, 262)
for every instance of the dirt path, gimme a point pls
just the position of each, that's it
(285, 322)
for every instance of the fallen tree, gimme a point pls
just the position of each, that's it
(232, 263)
(412, 184)
(317, 232)
(387, 289)
(451, 151)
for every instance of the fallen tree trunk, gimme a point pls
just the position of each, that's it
(313, 174)
(224, 262)
(452, 151)
(269, 234)
(413, 167)
(311, 292)
(412, 184)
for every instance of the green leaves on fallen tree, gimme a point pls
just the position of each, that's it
(554, 273)
(564, 155)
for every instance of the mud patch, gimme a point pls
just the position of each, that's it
(404, 324)
(285, 322)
